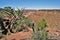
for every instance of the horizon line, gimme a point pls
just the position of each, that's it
(40, 8)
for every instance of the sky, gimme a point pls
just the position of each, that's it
(32, 4)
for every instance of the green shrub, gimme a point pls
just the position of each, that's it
(40, 32)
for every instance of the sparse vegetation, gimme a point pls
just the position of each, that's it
(40, 32)
(12, 21)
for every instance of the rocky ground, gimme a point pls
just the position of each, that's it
(52, 18)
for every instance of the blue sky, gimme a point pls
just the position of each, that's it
(37, 4)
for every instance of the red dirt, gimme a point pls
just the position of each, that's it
(19, 36)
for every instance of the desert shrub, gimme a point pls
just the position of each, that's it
(40, 32)
(42, 24)
(18, 19)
